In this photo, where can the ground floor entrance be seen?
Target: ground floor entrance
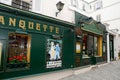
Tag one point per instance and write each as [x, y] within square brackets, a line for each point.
[111, 47]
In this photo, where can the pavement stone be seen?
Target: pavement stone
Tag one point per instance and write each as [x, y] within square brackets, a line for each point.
[110, 71]
[106, 71]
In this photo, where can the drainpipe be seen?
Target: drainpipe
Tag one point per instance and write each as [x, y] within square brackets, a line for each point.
[108, 49]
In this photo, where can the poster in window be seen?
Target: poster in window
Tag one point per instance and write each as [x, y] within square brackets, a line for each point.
[54, 53]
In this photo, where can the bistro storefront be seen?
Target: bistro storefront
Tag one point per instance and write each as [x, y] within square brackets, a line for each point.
[91, 42]
[31, 43]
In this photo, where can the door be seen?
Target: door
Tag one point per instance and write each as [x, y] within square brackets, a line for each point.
[111, 51]
[2, 54]
[111, 47]
[92, 49]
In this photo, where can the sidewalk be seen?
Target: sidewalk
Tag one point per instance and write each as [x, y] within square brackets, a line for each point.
[59, 75]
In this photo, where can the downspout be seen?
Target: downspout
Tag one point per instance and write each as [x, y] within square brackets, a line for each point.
[108, 49]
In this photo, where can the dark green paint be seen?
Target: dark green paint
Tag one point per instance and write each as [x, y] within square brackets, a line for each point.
[38, 41]
[94, 28]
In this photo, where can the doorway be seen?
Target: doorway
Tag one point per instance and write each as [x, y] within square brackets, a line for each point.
[111, 48]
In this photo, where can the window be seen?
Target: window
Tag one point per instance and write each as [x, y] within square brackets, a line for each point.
[22, 4]
[74, 3]
[98, 18]
[98, 5]
[18, 51]
[78, 47]
[92, 45]
[83, 7]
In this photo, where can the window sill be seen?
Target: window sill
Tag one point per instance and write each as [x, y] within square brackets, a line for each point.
[17, 69]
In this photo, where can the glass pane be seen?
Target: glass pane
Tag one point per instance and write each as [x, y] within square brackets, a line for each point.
[16, 3]
[25, 5]
[78, 47]
[84, 47]
[18, 51]
[95, 46]
[90, 46]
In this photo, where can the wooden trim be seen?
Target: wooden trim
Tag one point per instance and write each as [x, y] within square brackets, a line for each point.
[29, 47]
[100, 46]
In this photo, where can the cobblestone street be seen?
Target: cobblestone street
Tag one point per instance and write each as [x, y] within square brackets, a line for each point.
[108, 72]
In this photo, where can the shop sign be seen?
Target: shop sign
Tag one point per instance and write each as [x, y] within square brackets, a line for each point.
[12, 21]
[54, 53]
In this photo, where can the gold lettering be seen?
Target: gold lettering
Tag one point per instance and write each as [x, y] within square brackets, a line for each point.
[45, 27]
[22, 24]
[12, 22]
[37, 26]
[51, 28]
[2, 20]
[31, 25]
[57, 30]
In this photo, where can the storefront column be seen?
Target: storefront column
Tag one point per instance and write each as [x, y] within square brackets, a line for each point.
[108, 49]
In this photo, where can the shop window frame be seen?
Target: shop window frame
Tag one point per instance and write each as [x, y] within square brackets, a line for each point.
[27, 54]
[99, 46]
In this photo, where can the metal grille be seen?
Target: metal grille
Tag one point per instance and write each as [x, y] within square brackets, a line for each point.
[21, 4]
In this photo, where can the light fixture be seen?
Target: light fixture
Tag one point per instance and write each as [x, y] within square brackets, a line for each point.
[59, 6]
[81, 23]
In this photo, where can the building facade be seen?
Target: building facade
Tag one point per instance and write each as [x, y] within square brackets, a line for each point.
[32, 42]
[33, 45]
[104, 11]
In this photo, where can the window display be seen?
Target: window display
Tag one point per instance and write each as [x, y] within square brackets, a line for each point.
[18, 51]
[92, 45]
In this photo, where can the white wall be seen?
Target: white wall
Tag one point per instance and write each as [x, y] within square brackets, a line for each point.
[109, 14]
[116, 46]
[50, 9]
[8, 2]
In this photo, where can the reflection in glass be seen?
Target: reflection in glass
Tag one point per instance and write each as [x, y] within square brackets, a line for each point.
[92, 45]
[78, 47]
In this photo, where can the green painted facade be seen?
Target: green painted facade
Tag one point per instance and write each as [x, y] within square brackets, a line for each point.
[40, 28]
[93, 28]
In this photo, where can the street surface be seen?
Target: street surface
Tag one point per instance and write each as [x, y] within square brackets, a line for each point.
[110, 71]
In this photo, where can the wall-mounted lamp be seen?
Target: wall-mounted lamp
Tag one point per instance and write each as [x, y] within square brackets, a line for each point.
[59, 6]
[81, 23]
